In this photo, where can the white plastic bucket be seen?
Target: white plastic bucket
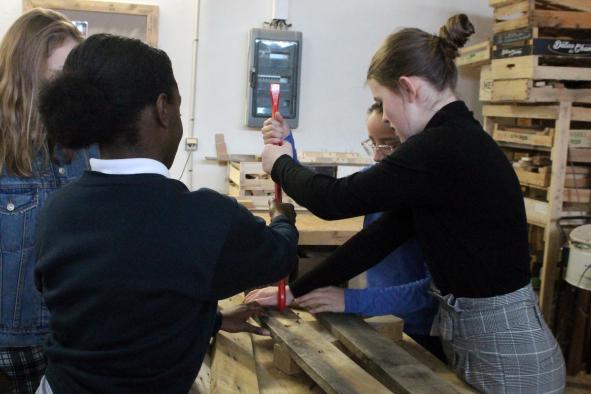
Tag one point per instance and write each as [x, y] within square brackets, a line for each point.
[578, 271]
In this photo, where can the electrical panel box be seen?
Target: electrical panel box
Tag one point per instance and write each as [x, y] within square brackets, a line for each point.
[274, 57]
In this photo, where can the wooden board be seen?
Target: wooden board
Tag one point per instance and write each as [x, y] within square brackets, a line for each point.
[521, 111]
[527, 67]
[579, 155]
[536, 211]
[149, 11]
[517, 136]
[324, 363]
[389, 363]
[315, 231]
[486, 84]
[541, 178]
[523, 90]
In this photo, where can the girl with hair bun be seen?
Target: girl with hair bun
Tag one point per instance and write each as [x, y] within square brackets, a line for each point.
[450, 186]
[131, 264]
[31, 168]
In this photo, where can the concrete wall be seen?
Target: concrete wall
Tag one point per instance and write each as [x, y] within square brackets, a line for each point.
[339, 38]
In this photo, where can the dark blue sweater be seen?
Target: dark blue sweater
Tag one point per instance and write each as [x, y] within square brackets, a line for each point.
[131, 268]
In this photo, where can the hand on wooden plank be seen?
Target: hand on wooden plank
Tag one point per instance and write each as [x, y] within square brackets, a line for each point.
[282, 208]
[325, 299]
[234, 319]
[267, 296]
[275, 130]
[271, 153]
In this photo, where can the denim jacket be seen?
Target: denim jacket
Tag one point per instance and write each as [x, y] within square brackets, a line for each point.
[23, 316]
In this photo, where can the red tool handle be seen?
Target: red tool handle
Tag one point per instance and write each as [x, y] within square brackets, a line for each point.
[274, 91]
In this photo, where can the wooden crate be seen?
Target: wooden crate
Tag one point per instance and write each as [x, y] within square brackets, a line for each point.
[524, 136]
[475, 55]
[564, 14]
[540, 178]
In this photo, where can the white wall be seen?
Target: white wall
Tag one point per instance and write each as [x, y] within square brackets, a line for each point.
[339, 38]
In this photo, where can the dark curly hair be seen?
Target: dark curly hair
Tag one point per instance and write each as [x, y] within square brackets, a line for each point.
[105, 84]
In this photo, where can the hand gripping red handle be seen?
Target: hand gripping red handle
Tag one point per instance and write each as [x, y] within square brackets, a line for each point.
[275, 90]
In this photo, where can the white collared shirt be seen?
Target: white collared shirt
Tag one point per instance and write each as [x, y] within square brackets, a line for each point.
[129, 166]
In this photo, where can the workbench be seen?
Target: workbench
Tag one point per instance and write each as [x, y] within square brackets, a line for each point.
[315, 231]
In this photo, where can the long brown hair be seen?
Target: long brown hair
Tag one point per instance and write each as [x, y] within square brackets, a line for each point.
[23, 60]
[413, 52]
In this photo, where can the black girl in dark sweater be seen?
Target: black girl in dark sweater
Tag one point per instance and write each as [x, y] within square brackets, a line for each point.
[131, 263]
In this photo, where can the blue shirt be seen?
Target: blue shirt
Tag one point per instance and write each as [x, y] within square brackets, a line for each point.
[398, 285]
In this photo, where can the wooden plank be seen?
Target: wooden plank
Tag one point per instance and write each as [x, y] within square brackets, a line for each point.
[433, 363]
[581, 114]
[233, 367]
[273, 381]
[151, 12]
[518, 136]
[390, 364]
[577, 195]
[523, 90]
[555, 198]
[511, 9]
[520, 111]
[511, 25]
[500, 3]
[528, 178]
[389, 326]
[562, 19]
[221, 150]
[575, 5]
[527, 67]
[579, 155]
[332, 370]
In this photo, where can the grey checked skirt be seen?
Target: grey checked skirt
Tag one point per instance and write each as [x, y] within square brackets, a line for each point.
[500, 344]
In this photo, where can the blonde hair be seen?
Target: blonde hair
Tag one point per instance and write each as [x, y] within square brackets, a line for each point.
[24, 51]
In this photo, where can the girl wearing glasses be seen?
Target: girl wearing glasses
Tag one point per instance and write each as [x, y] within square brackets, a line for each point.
[450, 186]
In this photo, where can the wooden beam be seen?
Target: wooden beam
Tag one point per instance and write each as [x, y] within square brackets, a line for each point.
[331, 369]
[151, 12]
[233, 368]
[555, 197]
[272, 380]
[575, 5]
[389, 363]
[389, 326]
[562, 19]
[520, 111]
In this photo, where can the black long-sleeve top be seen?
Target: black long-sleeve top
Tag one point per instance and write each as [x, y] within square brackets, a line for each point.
[450, 186]
[131, 268]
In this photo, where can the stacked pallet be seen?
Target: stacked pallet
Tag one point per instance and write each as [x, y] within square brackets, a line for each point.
[538, 94]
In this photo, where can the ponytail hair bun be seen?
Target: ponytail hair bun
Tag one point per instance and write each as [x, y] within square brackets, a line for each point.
[454, 34]
[75, 111]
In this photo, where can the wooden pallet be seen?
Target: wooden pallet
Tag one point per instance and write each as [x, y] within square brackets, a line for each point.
[564, 14]
[341, 355]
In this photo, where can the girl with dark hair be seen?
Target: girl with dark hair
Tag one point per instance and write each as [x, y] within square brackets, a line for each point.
[131, 264]
[450, 186]
[31, 168]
